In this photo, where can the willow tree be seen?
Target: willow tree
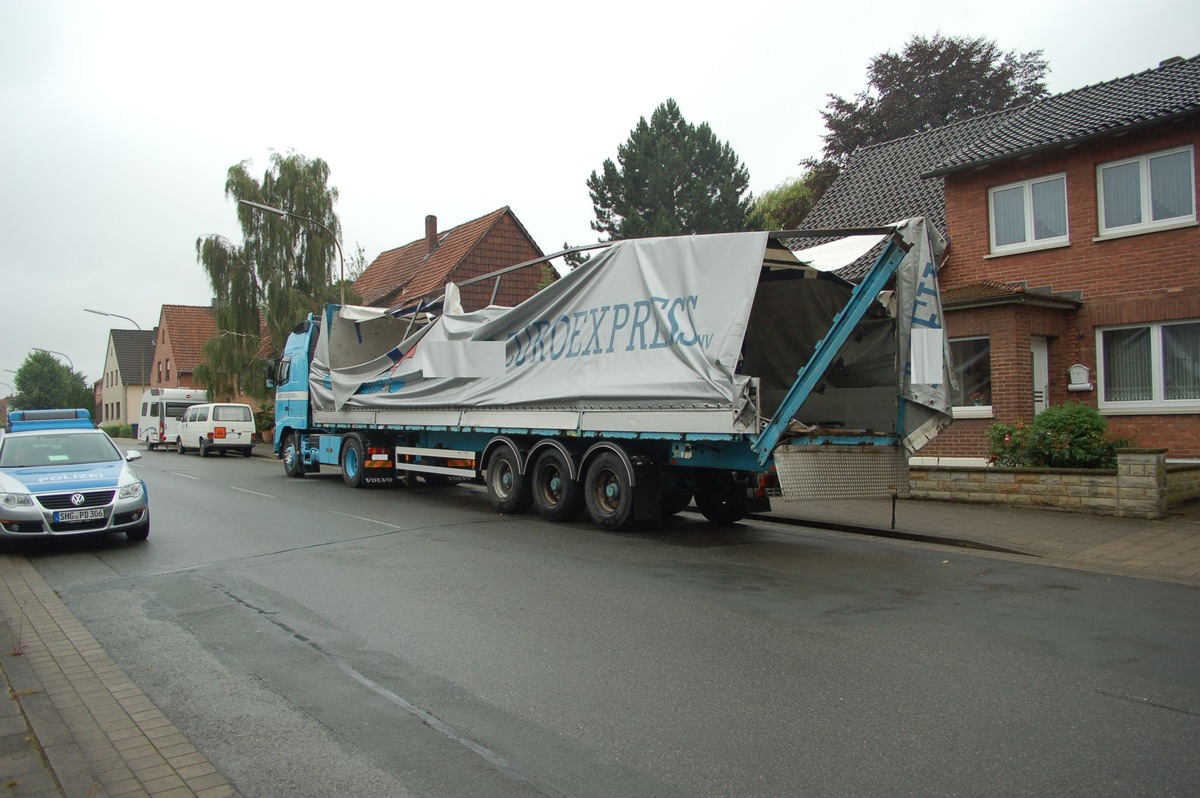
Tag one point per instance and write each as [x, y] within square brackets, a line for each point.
[281, 271]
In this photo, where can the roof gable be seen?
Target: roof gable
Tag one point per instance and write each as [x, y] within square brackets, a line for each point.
[188, 327]
[134, 350]
[411, 270]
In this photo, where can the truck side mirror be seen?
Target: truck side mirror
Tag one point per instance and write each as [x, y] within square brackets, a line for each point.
[270, 374]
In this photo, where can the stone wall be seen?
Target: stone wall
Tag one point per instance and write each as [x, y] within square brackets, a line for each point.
[1140, 487]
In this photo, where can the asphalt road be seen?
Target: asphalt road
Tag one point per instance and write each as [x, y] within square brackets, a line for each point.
[313, 640]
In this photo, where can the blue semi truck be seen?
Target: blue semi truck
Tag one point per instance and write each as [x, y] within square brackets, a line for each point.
[717, 369]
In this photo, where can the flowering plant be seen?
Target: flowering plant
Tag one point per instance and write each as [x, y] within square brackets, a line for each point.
[979, 398]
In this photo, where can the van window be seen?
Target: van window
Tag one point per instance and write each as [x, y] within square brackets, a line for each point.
[231, 413]
[155, 411]
[143, 409]
[202, 413]
[174, 409]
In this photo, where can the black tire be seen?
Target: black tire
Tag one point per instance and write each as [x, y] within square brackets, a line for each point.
[721, 500]
[674, 501]
[139, 533]
[608, 493]
[293, 466]
[353, 463]
[203, 449]
[248, 451]
[179, 446]
[556, 496]
[508, 489]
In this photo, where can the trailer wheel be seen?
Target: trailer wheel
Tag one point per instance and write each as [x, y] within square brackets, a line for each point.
[352, 462]
[508, 489]
[293, 466]
[556, 496]
[674, 501]
[608, 493]
[721, 500]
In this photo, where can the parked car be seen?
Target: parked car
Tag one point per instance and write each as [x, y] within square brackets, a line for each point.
[217, 428]
[59, 476]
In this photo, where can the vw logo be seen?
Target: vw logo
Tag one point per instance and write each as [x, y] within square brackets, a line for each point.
[78, 499]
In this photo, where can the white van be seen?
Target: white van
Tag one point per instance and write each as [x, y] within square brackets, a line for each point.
[158, 424]
[217, 428]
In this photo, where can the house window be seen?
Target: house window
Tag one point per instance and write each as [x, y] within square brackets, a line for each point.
[1156, 190]
[973, 372]
[168, 369]
[1150, 366]
[1029, 215]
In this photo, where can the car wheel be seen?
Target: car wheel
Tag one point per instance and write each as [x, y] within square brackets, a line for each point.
[138, 533]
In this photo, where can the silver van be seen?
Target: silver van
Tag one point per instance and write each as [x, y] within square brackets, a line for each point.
[217, 427]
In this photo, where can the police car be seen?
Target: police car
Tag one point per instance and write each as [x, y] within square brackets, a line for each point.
[59, 475]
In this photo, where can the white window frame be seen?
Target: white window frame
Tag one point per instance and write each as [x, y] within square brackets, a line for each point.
[1029, 243]
[1148, 224]
[1156, 403]
[973, 410]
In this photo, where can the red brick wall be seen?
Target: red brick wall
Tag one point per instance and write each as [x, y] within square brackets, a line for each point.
[1142, 278]
[506, 244]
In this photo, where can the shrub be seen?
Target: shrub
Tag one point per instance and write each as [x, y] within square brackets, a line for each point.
[118, 430]
[1072, 435]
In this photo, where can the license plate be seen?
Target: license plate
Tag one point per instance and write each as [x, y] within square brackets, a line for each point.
[70, 516]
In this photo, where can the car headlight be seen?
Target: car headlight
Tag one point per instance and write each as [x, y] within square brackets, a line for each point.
[130, 491]
[16, 500]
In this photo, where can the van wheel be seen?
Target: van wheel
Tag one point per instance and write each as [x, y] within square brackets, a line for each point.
[179, 446]
[203, 448]
[293, 466]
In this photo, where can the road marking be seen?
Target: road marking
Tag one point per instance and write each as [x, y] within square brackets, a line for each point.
[254, 492]
[360, 518]
[185, 476]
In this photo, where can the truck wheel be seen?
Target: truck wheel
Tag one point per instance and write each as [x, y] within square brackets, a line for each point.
[293, 466]
[352, 463]
[721, 500]
[556, 496]
[608, 494]
[508, 489]
[674, 501]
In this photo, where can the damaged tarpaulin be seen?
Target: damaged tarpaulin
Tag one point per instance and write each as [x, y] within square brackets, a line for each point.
[659, 323]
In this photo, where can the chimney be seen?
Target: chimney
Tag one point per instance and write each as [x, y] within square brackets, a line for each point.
[431, 241]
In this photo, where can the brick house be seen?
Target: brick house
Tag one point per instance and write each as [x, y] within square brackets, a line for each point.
[471, 249]
[181, 334]
[1073, 242]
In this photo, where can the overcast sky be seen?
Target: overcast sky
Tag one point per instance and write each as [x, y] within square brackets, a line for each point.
[119, 120]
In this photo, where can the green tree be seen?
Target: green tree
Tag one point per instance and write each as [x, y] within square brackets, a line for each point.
[930, 83]
[671, 178]
[280, 272]
[43, 382]
[783, 207]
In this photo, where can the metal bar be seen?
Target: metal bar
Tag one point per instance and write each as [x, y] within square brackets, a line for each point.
[822, 358]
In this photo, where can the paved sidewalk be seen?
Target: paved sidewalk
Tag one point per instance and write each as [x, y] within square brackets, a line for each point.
[1168, 549]
[73, 724]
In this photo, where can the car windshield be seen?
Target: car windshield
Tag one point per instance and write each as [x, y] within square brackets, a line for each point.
[55, 448]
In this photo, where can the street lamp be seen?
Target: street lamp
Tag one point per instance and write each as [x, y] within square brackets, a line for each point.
[115, 315]
[60, 354]
[281, 212]
[11, 390]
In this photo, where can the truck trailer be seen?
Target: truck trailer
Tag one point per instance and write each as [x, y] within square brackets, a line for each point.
[720, 369]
